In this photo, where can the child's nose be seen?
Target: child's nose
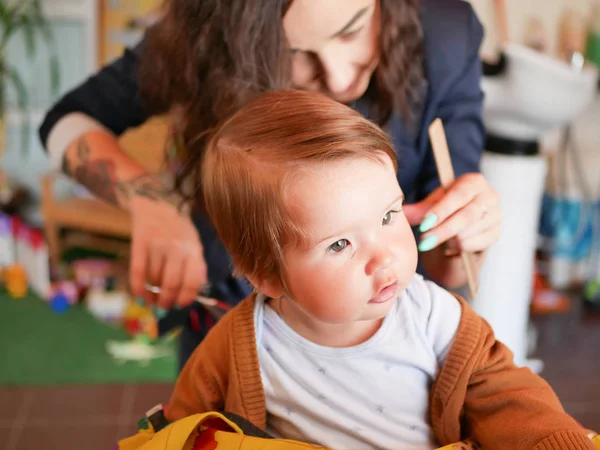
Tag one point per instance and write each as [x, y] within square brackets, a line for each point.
[381, 260]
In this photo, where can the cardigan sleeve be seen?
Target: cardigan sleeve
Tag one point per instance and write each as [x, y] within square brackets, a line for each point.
[481, 394]
[223, 373]
[202, 384]
[511, 407]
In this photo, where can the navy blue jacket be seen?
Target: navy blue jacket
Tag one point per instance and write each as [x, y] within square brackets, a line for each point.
[452, 36]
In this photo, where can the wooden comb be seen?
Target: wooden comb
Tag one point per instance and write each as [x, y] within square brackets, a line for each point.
[446, 174]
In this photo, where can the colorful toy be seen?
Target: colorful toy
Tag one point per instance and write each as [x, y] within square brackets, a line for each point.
[92, 272]
[59, 303]
[67, 288]
[139, 319]
[24, 246]
[15, 278]
[63, 294]
[137, 349]
[108, 306]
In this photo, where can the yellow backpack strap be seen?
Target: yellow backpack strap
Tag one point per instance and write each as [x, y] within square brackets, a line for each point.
[468, 444]
[155, 433]
[595, 437]
[211, 430]
[179, 435]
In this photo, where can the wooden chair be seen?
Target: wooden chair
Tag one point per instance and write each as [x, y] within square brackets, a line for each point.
[84, 214]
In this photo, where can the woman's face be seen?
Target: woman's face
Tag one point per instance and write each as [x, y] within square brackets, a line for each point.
[335, 45]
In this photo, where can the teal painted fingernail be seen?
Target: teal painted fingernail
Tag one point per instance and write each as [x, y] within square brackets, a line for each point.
[428, 223]
[160, 313]
[428, 243]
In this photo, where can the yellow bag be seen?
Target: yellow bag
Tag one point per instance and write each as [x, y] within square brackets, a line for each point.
[208, 431]
[223, 431]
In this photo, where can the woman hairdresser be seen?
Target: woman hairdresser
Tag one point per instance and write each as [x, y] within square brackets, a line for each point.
[402, 63]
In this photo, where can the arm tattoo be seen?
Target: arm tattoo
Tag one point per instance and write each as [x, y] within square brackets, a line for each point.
[100, 177]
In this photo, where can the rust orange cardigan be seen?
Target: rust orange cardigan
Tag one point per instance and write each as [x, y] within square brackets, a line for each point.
[479, 392]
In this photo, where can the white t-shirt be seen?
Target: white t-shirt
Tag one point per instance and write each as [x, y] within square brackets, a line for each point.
[373, 395]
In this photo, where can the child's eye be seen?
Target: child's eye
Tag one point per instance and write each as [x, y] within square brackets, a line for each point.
[338, 246]
[389, 217]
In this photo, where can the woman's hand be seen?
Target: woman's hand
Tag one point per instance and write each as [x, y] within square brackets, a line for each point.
[465, 217]
[166, 252]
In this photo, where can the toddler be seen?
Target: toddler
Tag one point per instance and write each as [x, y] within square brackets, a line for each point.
[343, 344]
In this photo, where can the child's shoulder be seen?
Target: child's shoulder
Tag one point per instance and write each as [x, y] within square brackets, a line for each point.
[431, 303]
[436, 311]
[425, 295]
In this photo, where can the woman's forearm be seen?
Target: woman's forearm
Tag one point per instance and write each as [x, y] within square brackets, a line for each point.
[92, 156]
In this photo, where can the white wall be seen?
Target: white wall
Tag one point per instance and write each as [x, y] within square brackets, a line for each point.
[519, 12]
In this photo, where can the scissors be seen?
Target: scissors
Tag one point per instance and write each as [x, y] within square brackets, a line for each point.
[216, 308]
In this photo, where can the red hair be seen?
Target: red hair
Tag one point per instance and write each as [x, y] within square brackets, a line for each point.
[249, 160]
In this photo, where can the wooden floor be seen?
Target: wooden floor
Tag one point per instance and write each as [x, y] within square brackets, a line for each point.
[570, 348]
[95, 417]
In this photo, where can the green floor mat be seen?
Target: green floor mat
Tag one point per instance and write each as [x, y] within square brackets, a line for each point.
[40, 347]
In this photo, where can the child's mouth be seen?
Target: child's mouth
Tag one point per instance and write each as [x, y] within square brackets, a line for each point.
[386, 294]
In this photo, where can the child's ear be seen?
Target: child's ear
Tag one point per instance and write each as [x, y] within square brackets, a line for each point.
[272, 287]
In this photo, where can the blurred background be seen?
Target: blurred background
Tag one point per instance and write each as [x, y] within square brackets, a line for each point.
[80, 359]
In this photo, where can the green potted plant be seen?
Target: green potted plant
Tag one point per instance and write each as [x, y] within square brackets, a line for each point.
[23, 17]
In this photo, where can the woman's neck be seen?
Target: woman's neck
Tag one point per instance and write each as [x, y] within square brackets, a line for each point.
[324, 334]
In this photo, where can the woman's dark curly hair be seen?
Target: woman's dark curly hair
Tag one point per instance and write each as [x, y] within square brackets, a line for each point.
[206, 58]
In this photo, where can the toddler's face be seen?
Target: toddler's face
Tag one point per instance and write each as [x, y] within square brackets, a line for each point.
[361, 253]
